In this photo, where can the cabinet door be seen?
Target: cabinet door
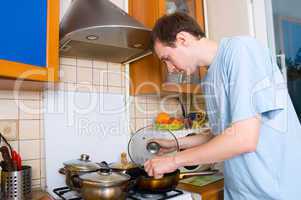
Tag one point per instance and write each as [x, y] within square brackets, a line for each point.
[145, 73]
[192, 7]
[29, 39]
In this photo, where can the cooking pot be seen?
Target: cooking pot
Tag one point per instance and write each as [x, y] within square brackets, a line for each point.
[74, 168]
[104, 184]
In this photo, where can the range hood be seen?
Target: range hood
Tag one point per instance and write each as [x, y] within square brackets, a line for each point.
[99, 29]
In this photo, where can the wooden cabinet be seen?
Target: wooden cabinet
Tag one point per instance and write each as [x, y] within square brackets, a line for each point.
[148, 75]
[29, 40]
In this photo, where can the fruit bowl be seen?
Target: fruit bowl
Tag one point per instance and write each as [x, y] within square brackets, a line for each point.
[171, 127]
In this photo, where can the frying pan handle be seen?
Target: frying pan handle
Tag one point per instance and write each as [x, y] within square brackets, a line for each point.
[202, 173]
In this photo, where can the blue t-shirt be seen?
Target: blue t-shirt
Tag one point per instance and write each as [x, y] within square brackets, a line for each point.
[243, 81]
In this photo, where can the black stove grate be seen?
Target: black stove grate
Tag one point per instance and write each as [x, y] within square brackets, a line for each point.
[62, 192]
[65, 192]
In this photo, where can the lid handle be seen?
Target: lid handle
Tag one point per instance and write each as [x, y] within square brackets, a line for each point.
[84, 157]
[153, 147]
[105, 171]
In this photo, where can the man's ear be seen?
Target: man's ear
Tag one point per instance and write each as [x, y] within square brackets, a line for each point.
[181, 38]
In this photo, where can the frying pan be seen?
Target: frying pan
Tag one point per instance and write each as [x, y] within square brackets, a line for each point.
[145, 183]
[148, 184]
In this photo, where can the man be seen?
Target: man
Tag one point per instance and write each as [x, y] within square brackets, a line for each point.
[256, 130]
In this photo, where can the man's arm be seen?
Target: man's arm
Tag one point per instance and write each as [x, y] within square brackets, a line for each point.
[195, 140]
[241, 137]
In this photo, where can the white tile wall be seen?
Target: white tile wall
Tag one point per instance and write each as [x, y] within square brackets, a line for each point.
[8, 109]
[29, 129]
[9, 129]
[30, 149]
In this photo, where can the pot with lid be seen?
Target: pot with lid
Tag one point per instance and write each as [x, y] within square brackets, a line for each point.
[74, 168]
[104, 184]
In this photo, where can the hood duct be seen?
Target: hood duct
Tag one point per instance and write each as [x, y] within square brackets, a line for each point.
[99, 29]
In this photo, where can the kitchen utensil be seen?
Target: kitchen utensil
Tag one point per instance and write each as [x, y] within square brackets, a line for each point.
[183, 109]
[142, 147]
[104, 184]
[7, 158]
[3, 165]
[17, 160]
[187, 121]
[16, 185]
[74, 168]
[6, 142]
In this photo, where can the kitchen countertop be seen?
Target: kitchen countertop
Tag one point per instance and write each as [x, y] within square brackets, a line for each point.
[212, 191]
[38, 195]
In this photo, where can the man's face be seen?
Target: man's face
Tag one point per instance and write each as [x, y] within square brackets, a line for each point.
[177, 58]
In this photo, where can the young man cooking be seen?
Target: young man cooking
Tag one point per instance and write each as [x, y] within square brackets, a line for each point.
[255, 128]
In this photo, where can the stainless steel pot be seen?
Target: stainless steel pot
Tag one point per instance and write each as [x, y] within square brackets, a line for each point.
[74, 168]
[104, 184]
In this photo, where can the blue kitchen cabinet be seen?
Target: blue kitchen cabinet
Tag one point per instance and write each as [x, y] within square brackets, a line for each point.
[29, 39]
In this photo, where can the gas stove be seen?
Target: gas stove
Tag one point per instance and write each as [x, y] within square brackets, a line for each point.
[65, 193]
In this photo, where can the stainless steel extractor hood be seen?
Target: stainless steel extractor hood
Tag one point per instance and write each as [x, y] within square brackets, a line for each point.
[99, 29]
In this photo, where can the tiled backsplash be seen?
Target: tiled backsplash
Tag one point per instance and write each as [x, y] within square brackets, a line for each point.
[92, 75]
[21, 123]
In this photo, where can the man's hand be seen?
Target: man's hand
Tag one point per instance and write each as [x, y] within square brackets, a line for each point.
[159, 166]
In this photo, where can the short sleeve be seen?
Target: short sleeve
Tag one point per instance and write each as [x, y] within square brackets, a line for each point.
[254, 82]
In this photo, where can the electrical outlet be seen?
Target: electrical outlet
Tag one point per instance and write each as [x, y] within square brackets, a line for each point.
[8, 128]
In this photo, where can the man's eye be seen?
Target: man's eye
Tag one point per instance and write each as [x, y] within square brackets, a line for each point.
[164, 59]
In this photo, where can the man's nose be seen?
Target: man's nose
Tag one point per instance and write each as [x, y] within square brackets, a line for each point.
[170, 67]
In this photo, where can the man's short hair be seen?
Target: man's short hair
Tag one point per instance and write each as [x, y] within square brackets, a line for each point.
[168, 26]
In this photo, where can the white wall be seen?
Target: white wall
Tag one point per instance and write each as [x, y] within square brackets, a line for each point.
[236, 17]
[227, 18]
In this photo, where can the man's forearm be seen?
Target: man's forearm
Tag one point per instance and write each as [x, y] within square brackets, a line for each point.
[235, 140]
[195, 140]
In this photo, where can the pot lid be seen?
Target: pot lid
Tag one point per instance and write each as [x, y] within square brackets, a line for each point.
[105, 177]
[143, 146]
[81, 164]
